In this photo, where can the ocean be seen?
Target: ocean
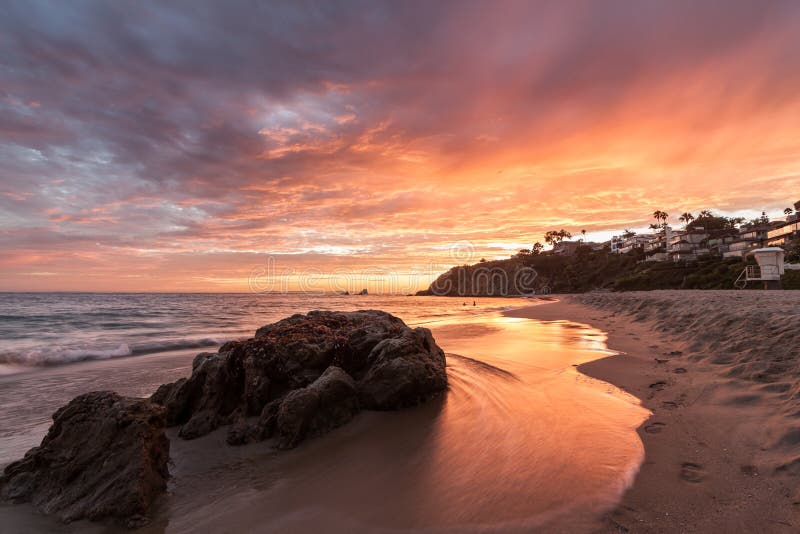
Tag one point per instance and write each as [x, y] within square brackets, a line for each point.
[40, 329]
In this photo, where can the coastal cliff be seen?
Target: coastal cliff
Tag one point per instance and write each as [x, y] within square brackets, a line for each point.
[584, 271]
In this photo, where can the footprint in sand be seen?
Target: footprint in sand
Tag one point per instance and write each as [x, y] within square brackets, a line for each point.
[691, 472]
[679, 370]
[669, 405]
[658, 386]
[654, 428]
[749, 470]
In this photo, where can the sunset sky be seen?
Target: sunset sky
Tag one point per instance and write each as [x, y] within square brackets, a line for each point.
[177, 146]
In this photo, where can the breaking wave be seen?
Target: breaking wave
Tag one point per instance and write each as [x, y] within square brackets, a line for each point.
[55, 355]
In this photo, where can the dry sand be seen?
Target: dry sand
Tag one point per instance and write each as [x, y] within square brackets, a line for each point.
[719, 370]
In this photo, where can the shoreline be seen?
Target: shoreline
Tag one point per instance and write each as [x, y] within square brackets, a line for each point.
[711, 461]
[706, 466]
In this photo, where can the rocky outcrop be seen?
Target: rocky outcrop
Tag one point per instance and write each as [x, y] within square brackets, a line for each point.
[105, 456]
[304, 375]
[500, 278]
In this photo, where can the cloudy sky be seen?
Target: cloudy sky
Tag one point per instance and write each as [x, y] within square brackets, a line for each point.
[179, 145]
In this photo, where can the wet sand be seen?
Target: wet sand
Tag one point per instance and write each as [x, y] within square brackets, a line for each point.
[719, 372]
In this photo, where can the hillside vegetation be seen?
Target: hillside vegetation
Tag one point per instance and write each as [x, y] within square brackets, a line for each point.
[586, 270]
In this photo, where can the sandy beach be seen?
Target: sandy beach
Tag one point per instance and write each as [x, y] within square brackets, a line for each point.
[715, 368]
[718, 370]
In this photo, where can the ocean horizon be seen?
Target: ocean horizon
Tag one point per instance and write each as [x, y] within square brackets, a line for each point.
[51, 328]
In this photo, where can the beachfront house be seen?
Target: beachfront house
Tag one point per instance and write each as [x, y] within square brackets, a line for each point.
[696, 242]
[657, 246]
[617, 242]
[622, 244]
[752, 237]
[783, 234]
[688, 245]
[720, 244]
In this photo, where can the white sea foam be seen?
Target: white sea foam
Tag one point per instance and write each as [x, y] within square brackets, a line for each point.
[54, 355]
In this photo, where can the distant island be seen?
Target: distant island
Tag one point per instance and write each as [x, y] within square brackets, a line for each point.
[710, 252]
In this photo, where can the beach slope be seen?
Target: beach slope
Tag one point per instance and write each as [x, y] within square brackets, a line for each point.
[719, 370]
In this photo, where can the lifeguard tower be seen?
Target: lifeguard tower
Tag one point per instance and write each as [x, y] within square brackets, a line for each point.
[768, 271]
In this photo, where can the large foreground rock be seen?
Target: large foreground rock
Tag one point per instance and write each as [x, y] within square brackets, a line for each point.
[330, 401]
[305, 375]
[105, 456]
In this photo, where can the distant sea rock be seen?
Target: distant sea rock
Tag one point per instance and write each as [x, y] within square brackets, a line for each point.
[104, 457]
[305, 375]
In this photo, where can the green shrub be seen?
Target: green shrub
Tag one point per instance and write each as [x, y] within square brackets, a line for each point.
[791, 280]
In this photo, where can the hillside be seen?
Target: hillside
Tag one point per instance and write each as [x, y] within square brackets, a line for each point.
[587, 270]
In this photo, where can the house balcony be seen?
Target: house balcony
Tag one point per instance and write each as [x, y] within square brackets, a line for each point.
[678, 248]
[695, 238]
[742, 245]
[784, 231]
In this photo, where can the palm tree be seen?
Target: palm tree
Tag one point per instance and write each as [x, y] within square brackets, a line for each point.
[657, 215]
[686, 217]
[788, 211]
[584, 234]
[661, 216]
[705, 213]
